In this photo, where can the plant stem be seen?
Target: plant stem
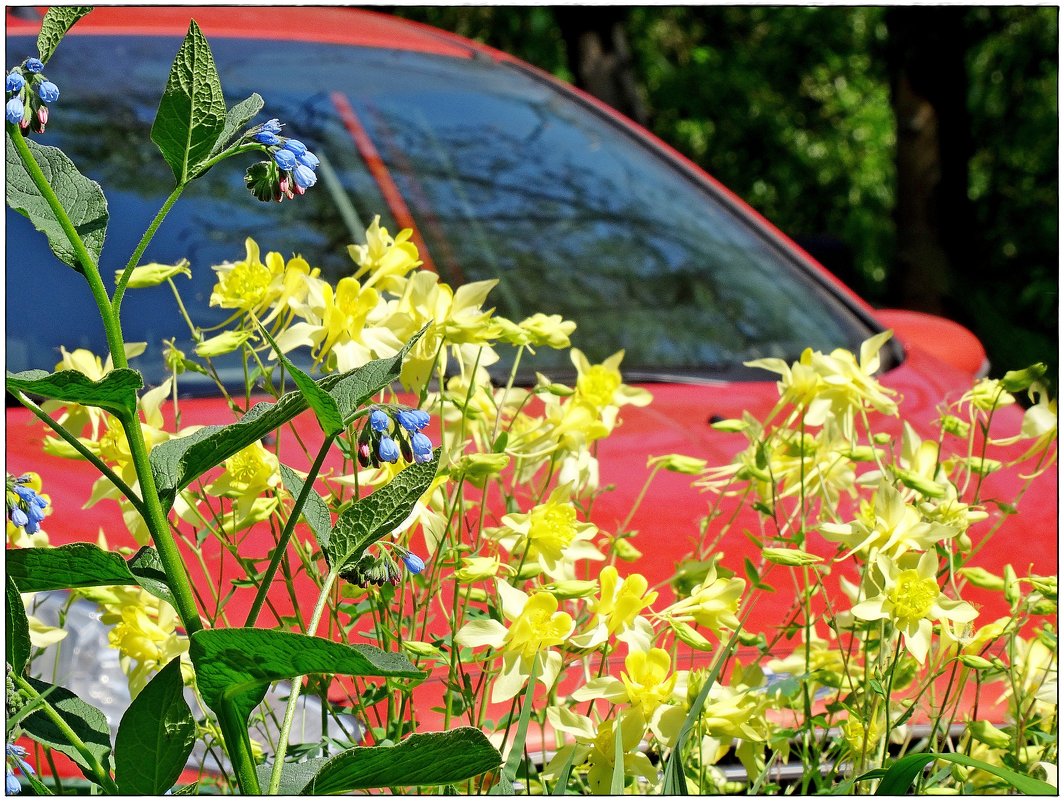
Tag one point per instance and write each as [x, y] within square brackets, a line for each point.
[149, 234]
[103, 778]
[297, 685]
[286, 534]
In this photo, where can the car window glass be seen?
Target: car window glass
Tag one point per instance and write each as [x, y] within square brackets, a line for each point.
[505, 177]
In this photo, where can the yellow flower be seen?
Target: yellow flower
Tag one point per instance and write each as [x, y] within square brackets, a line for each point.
[712, 603]
[244, 285]
[384, 259]
[551, 535]
[601, 386]
[863, 739]
[595, 746]
[479, 568]
[535, 627]
[910, 597]
[536, 331]
[248, 474]
[616, 611]
[890, 527]
[988, 394]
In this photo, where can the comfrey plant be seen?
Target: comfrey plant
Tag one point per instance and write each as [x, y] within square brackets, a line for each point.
[149, 598]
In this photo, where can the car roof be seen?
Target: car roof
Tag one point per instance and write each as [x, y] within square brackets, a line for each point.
[334, 25]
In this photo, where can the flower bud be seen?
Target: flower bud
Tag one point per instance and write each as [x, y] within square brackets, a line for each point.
[412, 419]
[626, 551]
[1047, 585]
[730, 426]
[387, 450]
[225, 342]
[365, 454]
[284, 159]
[1012, 585]
[304, 177]
[984, 579]
[573, 588]
[976, 662]
[690, 635]
[295, 147]
[418, 648]
[988, 734]
[48, 92]
[414, 563]
[308, 159]
[1019, 380]
[271, 126]
[792, 557]
[15, 81]
[33, 65]
[267, 138]
[677, 463]
[14, 110]
[954, 425]
[422, 447]
[154, 274]
[476, 594]
[379, 421]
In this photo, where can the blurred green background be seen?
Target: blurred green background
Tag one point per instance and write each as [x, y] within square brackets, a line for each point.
[913, 150]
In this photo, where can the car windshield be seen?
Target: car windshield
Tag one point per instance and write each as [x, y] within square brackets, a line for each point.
[503, 175]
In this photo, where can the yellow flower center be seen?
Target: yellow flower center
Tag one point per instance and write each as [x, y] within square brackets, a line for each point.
[552, 528]
[246, 285]
[913, 596]
[598, 385]
[540, 625]
[647, 679]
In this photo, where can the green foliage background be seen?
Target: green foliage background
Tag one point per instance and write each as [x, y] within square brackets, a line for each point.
[790, 107]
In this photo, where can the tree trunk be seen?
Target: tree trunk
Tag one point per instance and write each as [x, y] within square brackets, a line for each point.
[935, 236]
[599, 57]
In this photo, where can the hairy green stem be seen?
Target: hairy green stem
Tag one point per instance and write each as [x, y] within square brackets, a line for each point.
[149, 234]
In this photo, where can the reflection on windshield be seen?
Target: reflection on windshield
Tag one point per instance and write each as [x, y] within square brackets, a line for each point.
[504, 177]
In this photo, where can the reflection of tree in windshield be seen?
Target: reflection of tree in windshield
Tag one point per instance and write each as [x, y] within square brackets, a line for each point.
[572, 225]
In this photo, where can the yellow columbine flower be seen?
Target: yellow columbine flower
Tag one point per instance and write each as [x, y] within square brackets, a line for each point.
[243, 285]
[551, 535]
[713, 603]
[988, 394]
[890, 527]
[248, 474]
[616, 611]
[535, 627]
[538, 330]
[911, 599]
[863, 739]
[602, 387]
[595, 746]
[479, 568]
[383, 260]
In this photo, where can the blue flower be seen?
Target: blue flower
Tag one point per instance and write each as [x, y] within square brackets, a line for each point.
[271, 126]
[267, 138]
[48, 92]
[387, 450]
[413, 419]
[11, 784]
[33, 65]
[14, 110]
[422, 447]
[413, 562]
[19, 517]
[379, 421]
[308, 159]
[15, 81]
[295, 146]
[304, 176]
[284, 158]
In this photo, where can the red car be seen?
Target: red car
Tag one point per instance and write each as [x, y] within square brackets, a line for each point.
[503, 172]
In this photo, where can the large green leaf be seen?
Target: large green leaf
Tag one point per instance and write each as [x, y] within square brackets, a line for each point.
[17, 642]
[320, 401]
[899, 777]
[236, 665]
[236, 119]
[116, 392]
[81, 564]
[177, 462]
[87, 722]
[57, 21]
[192, 112]
[156, 735]
[379, 513]
[315, 511]
[421, 760]
[81, 199]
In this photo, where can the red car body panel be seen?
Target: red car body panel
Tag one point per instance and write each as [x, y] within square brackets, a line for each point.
[677, 420]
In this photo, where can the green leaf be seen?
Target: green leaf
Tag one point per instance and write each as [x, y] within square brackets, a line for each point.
[156, 735]
[177, 462]
[562, 782]
[192, 112]
[315, 511]
[236, 665]
[17, 644]
[81, 198]
[899, 777]
[294, 775]
[57, 21]
[505, 784]
[421, 760]
[617, 779]
[116, 392]
[81, 564]
[319, 400]
[380, 513]
[87, 722]
[236, 119]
